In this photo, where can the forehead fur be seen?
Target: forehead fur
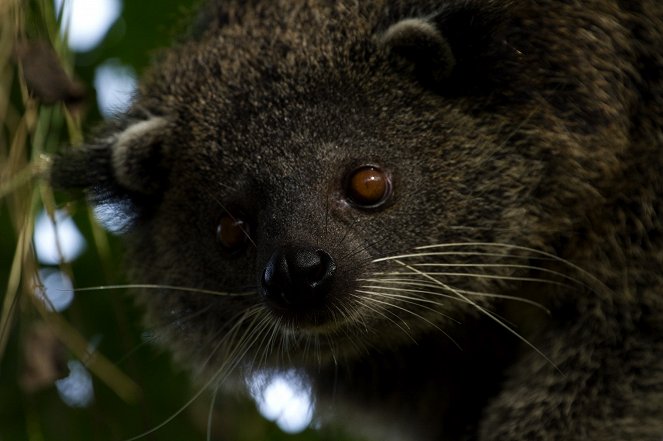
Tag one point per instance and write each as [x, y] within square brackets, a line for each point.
[289, 45]
[254, 66]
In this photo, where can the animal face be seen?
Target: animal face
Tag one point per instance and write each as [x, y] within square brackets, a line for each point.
[308, 183]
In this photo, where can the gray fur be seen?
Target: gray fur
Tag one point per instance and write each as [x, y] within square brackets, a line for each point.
[546, 134]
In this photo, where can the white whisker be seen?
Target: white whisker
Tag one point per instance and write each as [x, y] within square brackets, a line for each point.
[230, 363]
[263, 324]
[172, 324]
[412, 282]
[485, 311]
[211, 410]
[269, 347]
[501, 265]
[415, 291]
[417, 301]
[459, 253]
[364, 302]
[474, 275]
[391, 305]
[507, 297]
[232, 332]
[522, 248]
[165, 287]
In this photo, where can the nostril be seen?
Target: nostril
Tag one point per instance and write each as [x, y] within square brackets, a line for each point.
[276, 271]
[297, 276]
[326, 268]
[310, 266]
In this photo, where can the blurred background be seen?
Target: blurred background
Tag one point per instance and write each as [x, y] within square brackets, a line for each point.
[76, 364]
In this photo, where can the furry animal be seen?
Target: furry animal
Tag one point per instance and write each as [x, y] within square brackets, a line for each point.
[444, 215]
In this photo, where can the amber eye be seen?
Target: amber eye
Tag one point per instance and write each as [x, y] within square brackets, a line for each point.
[368, 186]
[232, 233]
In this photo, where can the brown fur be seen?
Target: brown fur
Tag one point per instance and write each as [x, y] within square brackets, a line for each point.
[546, 135]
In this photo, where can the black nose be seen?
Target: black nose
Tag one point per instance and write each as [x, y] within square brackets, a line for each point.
[297, 277]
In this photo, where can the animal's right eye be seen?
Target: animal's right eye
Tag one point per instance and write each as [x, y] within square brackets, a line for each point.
[232, 233]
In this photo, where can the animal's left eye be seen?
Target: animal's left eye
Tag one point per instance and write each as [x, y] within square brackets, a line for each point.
[368, 186]
[232, 233]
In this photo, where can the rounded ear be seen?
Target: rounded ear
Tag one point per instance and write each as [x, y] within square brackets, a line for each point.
[137, 156]
[422, 47]
[131, 162]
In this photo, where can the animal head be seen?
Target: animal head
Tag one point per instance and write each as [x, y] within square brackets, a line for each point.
[319, 178]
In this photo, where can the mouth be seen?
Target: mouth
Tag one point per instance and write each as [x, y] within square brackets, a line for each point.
[313, 346]
[323, 321]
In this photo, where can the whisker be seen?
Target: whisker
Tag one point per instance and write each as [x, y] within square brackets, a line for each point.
[345, 315]
[330, 342]
[307, 341]
[361, 248]
[285, 343]
[172, 323]
[431, 301]
[348, 313]
[478, 276]
[231, 333]
[326, 229]
[210, 414]
[231, 362]
[266, 322]
[413, 282]
[460, 253]
[269, 347]
[523, 248]
[500, 265]
[347, 231]
[363, 301]
[415, 291]
[485, 311]
[164, 287]
[419, 316]
[507, 297]
[417, 301]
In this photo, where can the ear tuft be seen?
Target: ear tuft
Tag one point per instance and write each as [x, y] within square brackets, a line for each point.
[419, 43]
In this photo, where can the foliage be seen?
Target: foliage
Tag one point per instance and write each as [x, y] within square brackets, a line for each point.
[136, 388]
